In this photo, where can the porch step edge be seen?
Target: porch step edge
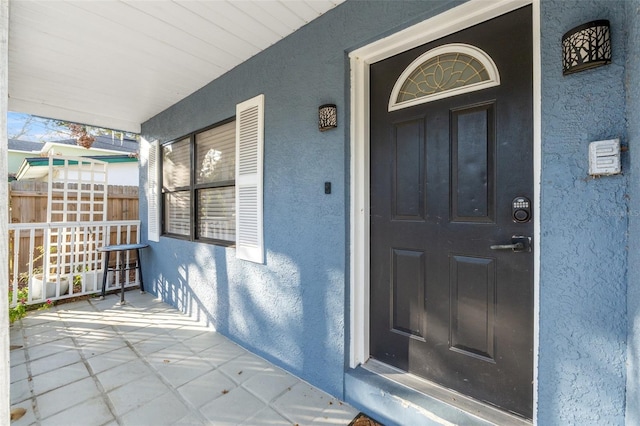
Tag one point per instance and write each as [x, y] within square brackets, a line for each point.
[395, 404]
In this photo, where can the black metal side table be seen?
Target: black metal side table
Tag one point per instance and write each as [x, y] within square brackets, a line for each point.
[123, 267]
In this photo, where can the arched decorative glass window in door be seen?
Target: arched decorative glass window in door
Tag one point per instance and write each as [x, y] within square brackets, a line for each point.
[441, 72]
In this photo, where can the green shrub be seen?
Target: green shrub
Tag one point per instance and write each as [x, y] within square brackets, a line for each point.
[20, 310]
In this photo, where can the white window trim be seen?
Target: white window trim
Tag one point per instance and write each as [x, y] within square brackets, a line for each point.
[464, 16]
[474, 52]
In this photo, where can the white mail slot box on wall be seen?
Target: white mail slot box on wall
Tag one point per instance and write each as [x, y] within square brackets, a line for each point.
[604, 157]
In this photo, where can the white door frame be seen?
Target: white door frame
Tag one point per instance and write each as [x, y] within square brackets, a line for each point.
[466, 15]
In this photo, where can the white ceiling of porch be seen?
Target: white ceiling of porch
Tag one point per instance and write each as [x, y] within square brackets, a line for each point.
[116, 63]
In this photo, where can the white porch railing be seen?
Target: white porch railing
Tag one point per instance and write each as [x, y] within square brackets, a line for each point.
[61, 260]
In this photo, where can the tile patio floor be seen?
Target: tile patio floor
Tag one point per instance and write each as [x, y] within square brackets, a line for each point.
[96, 363]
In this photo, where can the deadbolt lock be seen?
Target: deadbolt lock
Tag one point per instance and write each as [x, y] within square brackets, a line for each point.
[521, 210]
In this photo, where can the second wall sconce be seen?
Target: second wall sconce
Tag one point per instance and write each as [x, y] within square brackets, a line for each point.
[327, 117]
[586, 46]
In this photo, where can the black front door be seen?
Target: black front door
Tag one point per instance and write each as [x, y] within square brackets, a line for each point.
[450, 300]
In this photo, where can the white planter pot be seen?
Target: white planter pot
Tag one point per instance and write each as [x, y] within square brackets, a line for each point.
[92, 280]
[37, 284]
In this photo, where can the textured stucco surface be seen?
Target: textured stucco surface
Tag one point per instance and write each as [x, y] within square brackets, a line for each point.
[632, 84]
[582, 370]
[292, 310]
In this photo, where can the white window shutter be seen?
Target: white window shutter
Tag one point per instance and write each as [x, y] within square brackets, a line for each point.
[249, 166]
[153, 200]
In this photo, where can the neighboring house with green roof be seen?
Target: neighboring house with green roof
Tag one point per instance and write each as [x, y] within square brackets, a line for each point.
[19, 150]
[29, 160]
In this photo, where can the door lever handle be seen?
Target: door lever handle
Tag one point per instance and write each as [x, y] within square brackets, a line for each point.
[519, 243]
[516, 246]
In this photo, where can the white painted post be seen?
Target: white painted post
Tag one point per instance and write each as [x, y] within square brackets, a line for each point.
[4, 216]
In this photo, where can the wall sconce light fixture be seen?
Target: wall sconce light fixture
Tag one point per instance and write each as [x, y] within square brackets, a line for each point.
[327, 117]
[586, 46]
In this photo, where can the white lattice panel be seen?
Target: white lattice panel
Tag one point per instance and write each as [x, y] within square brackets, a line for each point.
[77, 194]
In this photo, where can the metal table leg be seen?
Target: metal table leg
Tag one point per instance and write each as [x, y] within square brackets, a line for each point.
[139, 266]
[104, 274]
[121, 275]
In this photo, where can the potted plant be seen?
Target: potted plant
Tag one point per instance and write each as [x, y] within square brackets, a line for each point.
[92, 280]
[41, 289]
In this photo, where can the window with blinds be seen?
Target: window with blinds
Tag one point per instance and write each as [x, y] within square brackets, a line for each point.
[215, 183]
[176, 187]
[198, 185]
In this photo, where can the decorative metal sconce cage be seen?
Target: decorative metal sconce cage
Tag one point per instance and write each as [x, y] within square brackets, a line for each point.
[586, 46]
[327, 117]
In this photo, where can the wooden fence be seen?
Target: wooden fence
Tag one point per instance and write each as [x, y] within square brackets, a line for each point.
[28, 204]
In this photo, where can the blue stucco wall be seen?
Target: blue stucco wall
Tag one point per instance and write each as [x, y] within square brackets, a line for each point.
[292, 310]
[583, 325]
[632, 84]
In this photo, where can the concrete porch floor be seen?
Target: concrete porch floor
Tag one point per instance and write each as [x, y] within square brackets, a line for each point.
[96, 363]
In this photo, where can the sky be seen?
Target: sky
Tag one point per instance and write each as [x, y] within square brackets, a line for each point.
[35, 129]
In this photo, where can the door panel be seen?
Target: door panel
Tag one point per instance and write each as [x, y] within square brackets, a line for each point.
[408, 194]
[472, 170]
[473, 306]
[444, 305]
[407, 296]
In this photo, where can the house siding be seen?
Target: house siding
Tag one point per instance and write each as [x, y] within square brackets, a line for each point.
[632, 85]
[294, 310]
